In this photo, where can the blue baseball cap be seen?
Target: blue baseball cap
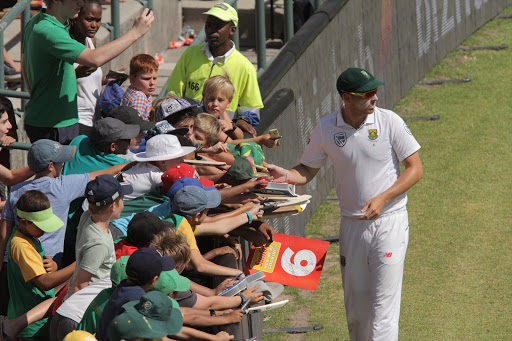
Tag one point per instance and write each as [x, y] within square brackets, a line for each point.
[105, 189]
[146, 263]
[191, 200]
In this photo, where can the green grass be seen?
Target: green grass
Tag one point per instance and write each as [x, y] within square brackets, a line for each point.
[458, 272]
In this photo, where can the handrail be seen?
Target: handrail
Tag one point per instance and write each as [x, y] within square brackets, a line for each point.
[22, 6]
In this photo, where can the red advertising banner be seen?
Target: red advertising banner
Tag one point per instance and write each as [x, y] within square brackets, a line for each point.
[289, 260]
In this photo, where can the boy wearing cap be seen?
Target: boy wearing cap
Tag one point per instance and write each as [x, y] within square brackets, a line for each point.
[200, 62]
[110, 138]
[162, 152]
[143, 271]
[94, 244]
[153, 317]
[30, 282]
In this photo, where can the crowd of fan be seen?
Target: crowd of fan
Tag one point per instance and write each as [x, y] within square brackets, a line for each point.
[116, 235]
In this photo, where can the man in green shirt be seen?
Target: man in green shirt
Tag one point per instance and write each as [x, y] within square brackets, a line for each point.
[48, 55]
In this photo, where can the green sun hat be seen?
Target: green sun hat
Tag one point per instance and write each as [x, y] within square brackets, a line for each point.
[118, 271]
[248, 149]
[156, 315]
[356, 80]
[241, 169]
[171, 281]
[45, 220]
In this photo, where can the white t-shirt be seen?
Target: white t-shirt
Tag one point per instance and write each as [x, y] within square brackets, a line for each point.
[88, 90]
[366, 160]
[143, 177]
[76, 305]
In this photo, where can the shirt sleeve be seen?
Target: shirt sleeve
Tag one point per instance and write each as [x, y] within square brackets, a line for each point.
[314, 154]
[73, 185]
[93, 256]
[27, 258]
[403, 142]
[186, 229]
[58, 43]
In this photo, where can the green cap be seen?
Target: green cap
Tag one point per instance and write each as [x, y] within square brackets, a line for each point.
[154, 316]
[171, 281]
[241, 169]
[118, 271]
[45, 219]
[224, 12]
[356, 80]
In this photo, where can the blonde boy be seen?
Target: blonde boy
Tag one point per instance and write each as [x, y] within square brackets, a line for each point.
[143, 82]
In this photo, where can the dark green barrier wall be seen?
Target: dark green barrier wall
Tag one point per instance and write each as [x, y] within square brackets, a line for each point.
[396, 40]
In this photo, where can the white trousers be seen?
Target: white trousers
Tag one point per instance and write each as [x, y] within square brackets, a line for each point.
[372, 254]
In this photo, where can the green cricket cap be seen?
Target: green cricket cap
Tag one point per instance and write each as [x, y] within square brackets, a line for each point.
[357, 80]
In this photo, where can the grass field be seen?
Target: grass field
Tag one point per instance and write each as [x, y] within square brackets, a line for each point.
[458, 271]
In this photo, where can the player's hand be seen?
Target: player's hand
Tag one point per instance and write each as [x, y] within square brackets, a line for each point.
[266, 230]
[222, 336]
[255, 297]
[245, 126]
[49, 264]
[143, 22]
[278, 173]
[373, 208]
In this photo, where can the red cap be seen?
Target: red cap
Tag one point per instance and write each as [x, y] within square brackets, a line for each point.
[182, 170]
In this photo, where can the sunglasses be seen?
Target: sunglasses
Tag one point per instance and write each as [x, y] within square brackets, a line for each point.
[365, 95]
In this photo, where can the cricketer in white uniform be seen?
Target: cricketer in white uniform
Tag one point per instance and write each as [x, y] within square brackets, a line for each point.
[366, 145]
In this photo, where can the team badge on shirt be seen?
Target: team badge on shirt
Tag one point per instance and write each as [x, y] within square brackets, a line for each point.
[372, 134]
[340, 139]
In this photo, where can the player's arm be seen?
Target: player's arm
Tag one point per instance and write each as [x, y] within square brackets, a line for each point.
[12, 177]
[204, 266]
[412, 174]
[114, 170]
[299, 175]
[81, 281]
[50, 280]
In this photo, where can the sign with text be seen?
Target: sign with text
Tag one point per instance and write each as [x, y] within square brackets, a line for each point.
[290, 260]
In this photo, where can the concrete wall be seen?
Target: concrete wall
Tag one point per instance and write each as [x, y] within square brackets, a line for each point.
[166, 27]
[397, 41]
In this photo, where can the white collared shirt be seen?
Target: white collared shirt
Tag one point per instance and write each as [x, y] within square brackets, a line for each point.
[223, 58]
[366, 160]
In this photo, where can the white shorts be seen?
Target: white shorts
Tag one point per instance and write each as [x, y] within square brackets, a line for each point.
[372, 254]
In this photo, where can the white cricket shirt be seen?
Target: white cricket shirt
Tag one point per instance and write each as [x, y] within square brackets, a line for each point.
[366, 160]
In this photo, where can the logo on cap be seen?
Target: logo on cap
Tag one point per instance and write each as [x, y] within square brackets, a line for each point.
[221, 6]
[340, 139]
[364, 73]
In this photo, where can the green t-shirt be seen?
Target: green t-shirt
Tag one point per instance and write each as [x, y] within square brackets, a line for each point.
[93, 313]
[26, 295]
[49, 53]
[143, 202]
[194, 68]
[94, 250]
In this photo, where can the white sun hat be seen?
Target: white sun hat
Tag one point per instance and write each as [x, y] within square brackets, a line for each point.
[163, 147]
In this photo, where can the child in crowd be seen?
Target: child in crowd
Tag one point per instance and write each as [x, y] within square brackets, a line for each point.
[143, 271]
[30, 283]
[162, 152]
[218, 92]
[143, 82]
[153, 317]
[94, 244]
